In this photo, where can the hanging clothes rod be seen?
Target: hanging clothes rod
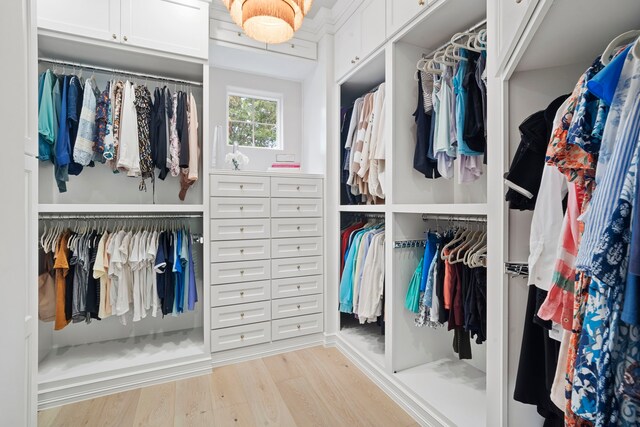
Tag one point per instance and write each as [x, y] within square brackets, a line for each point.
[372, 215]
[406, 244]
[56, 216]
[456, 218]
[469, 30]
[116, 71]
[516, 269]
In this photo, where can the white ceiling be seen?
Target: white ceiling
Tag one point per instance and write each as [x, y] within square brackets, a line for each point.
[318, 4]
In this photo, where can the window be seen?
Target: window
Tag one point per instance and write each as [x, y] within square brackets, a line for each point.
[254, 120]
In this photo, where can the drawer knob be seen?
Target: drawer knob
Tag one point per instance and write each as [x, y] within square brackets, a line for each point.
[241, 251]
[298, 208]
[298, 267]
[242, 315]
[241, 272]
[298, 248]
[241, 208]
[353, 61]
[298, 306]
[298, 326]
[241, 337]
[241, 293]
[241, 229]
[113, 36]
[241, 185]
[239, 34]
[293, 46]
[298, 287]
[125, 38]
[357, 58]
[298, 188]
[421, 2]
[298, 228]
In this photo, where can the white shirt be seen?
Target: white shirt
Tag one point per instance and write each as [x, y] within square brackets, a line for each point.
[128, 150]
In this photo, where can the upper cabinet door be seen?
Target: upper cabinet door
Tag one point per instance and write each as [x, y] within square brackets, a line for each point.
[514, 16]
[175, 26]
[373, 25]
[99, 19]
[399, 12]
[348, 45]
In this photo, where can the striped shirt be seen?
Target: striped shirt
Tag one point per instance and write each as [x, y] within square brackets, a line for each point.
[620, 139]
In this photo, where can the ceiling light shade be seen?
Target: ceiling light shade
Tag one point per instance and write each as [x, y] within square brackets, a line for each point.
[269, 21]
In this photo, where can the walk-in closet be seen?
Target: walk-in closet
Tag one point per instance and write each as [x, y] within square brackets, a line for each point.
[330, 212]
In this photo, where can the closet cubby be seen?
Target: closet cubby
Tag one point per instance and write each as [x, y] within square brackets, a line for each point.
[423, 359]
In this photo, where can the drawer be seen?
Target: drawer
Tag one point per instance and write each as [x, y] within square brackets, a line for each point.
[229, 32]
[243, 314]
[303, 246]
[239, 186]
[296, 286]
[296, 208]
[234, 272]
[296, 47]
[240, 229]
[296, 187]
[240, 336]
[240, 250]
[235, 207]
[240, 293]
[296, 326]
[296, 227]
[295, 267]
[296, 306]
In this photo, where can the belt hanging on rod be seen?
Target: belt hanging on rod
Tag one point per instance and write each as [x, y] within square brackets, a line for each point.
[117, 71]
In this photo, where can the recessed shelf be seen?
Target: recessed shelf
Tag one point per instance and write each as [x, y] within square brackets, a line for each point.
[113, 208]
[73, 363]
[443, 208]
[443, 384]
[362, 208]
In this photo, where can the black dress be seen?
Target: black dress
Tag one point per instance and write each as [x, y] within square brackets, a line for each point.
[421, 161]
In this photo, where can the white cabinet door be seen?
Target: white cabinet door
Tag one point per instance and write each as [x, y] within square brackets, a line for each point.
[175, 26]
[514, 16]
[296, 47]
[98, 19]
[400, 12]
[348, 45]
[373, 25]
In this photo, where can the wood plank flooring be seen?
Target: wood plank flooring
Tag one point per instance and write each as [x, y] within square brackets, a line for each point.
[312, 387]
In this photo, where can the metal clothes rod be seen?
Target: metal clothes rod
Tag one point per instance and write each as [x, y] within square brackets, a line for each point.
[456, 218]
[366, 214]
[516, 269]
[405, 244]
[116, 71]
[469, 30]
[117, 216]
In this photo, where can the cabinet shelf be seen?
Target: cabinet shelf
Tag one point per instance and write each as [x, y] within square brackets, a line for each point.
[129, 208]
[443, 208]
[363, 208]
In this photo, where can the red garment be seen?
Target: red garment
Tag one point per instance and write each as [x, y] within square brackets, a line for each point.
[344, 238]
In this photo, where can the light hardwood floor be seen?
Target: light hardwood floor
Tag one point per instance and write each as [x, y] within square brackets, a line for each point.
[311, 387]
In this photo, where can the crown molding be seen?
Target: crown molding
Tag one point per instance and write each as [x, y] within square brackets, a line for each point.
[325, 21]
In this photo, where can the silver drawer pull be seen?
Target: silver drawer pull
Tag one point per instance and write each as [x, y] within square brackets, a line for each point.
[298, 326]
[242, 251]
[241, 272]
[241, 185]
[298, 267]
[242, 229]
[242, 315]
[298, 208]
[298, 228]
[298, 188]
[298, 306]
[298, 287]
[298, 248]
[241, 208]
[241, 337]
[241, 293]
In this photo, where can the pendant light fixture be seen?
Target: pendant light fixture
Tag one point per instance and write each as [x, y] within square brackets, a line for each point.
[268, 21]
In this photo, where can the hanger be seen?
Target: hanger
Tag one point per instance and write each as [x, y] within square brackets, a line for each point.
[456, 239]
[480, 242]
[471, 44]
[441, 58]
[455, 257]
[624, 38]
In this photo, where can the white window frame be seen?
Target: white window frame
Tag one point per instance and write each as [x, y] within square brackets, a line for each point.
[258, 94]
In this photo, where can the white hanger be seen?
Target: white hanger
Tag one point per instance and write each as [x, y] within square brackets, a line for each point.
[440, 58]
[430, 67]
[456, 239]
[462, 250]
[452, 52]
[480, 40]
[471, 44]
[480, 242]
[623, 38]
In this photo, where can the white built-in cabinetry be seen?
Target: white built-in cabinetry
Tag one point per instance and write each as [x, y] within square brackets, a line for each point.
[171, 26]
[267, 259]
[400, 13]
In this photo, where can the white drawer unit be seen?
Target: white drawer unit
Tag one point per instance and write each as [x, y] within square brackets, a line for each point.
[295, 267]
[236, 207]
[242, 314]
[296, 187]
[239, 293]
[240, 250]
[296, 208]
[296, 47]
[267, 258]
[296, 326]
[303, 246]
[240, 336]
[296, 306]
[235, 272]
[231, 33]
[296, 286]
[239, 186]
[240, 229]
[298, 227]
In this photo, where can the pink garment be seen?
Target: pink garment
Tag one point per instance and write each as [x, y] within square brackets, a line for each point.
[469, 168]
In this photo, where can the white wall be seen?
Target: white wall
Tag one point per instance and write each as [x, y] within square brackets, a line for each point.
[318, 88]
[292, 117]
